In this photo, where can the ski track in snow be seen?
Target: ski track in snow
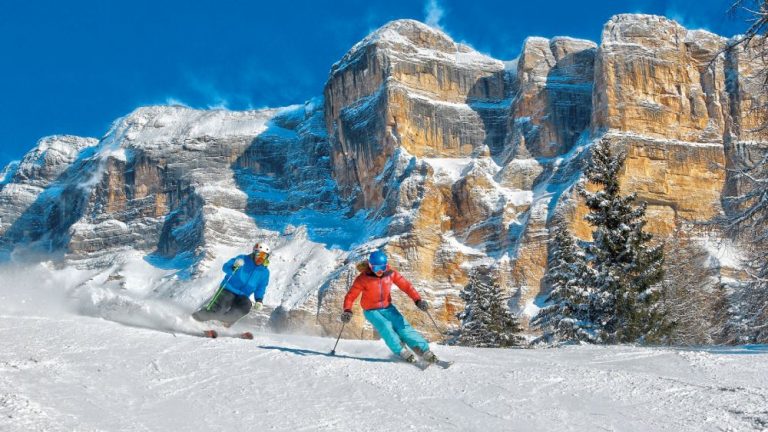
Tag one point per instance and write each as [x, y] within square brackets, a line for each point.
[66, 372]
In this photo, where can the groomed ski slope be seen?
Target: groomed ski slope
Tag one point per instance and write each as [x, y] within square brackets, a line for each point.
[63, 372]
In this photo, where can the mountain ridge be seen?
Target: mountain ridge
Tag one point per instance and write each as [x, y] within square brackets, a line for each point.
[446, 157]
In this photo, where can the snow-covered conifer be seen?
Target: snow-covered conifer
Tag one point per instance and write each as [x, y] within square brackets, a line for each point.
[627, 269]
[487, 320]
[566, 314]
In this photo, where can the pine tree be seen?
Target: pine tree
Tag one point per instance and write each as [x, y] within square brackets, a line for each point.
[627, 269]
[566, 316]
[486, 320]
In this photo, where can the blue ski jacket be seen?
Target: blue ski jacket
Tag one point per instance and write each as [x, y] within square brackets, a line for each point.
[248, 279]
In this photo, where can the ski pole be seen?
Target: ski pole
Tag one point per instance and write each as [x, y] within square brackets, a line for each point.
[333, 351]
[436, 327]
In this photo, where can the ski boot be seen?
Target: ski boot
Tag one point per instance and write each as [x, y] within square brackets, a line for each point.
[427, 356]
[407, 356]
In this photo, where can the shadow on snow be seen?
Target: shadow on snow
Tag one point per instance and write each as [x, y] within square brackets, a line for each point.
[306, 352]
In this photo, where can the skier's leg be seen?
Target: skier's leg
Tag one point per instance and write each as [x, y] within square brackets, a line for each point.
[241, 305]
[210, 307]
[217, 307]
[384, 327]
[403, 328]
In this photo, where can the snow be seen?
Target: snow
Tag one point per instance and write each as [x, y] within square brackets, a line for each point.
[518, 197]
[497, 196]
[8, 172]
[120, 154]
[531, 309]
[451, 169]
[703, 35]
[392, 36]
[364, 106]
[298, 268]
[724, 252]
[60, 372]
[452, 244]
[61, 146]
[334, 228]
[510, 66]
[573, 40]
[471, 106]
[113, 224]
[536, 40]
[49, 159]
[158, 127]
[663, 141]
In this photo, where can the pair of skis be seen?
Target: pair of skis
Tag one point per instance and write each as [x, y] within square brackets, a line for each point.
[424, 365]
[213, 334]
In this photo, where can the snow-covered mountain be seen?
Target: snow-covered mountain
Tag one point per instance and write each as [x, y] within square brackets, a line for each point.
[446, 157]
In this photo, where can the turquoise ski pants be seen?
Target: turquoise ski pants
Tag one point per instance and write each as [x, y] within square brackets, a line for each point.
[393, 328]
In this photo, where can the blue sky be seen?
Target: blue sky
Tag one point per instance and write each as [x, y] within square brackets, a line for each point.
[72, 67]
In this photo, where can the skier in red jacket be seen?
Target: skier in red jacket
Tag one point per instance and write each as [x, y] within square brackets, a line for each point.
[375, 283]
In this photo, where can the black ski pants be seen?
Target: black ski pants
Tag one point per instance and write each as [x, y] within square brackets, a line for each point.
[224, 306]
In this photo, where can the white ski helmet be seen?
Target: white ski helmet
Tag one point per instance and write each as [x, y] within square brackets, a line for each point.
[262, 247]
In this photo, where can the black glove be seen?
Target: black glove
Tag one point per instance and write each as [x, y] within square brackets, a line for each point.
[346, 316]
[423, 305]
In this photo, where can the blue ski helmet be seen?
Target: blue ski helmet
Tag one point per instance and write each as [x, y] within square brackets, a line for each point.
[378, 261]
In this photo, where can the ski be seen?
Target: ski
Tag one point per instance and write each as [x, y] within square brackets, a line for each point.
[439, 363]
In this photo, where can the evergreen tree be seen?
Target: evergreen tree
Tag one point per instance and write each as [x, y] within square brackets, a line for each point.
[486, 320]
[566, 316]
[627, 269]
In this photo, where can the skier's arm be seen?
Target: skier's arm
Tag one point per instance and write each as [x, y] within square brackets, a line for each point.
[353, 294]
[405, 286]
[258, 295]
[229, 265]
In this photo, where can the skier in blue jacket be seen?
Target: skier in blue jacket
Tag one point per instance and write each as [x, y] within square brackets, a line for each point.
[245, 275]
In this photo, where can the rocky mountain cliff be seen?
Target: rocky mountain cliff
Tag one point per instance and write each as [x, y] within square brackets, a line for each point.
[445, 157]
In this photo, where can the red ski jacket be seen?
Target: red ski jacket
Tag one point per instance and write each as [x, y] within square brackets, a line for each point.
[376, 290]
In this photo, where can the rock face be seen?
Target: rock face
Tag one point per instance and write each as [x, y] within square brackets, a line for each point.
[445, 157]
[554, 103]
[409, 86]
[647, 79]
[677, 103]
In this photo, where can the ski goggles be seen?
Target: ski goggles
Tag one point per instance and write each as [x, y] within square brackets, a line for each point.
[378, 268]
